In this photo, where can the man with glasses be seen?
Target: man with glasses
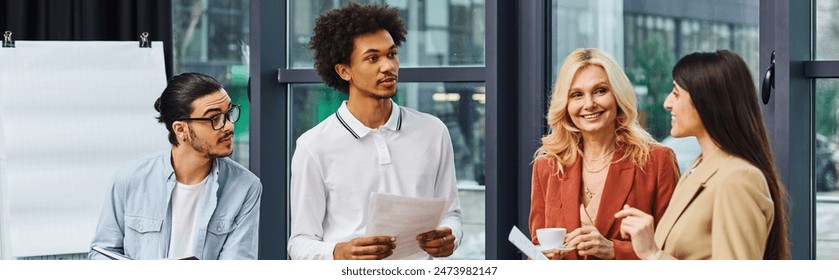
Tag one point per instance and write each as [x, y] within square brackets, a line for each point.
[190, 200]
[370, 145]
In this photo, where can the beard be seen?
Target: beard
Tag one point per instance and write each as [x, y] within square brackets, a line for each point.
[386, 96]
[203, 147]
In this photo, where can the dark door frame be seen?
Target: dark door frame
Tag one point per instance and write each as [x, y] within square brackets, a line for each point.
[785, 28]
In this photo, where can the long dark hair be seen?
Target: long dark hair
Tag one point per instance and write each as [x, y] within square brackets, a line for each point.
[724, 95]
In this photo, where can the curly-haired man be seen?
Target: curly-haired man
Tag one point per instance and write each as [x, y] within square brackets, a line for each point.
[370, 145]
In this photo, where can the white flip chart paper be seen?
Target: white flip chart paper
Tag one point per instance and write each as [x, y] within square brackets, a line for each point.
[72, 114]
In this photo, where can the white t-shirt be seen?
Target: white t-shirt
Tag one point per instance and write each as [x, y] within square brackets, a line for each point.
[185, 200]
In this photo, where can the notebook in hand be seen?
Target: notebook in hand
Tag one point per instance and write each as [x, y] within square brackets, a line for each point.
[110, 254]
[117, 256]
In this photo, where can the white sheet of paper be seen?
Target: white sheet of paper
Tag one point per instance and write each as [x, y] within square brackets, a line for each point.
[405, 218]
[525, 246]
[73, 114]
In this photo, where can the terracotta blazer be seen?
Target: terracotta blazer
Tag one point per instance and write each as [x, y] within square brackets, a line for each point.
[721, 210]
[555, 199]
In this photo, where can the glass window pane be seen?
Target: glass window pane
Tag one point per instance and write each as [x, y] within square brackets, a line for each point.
[211, 37]
[827, 29]
[826, 155]
[440, 32]
[459, 105]
[648, 37]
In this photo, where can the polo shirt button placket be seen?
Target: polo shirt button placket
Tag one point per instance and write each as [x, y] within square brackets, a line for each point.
[381, 146]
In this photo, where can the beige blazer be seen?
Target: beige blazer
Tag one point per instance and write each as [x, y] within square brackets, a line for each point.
[720, 210]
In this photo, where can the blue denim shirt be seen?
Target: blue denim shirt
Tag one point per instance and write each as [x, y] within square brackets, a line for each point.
[136, 219]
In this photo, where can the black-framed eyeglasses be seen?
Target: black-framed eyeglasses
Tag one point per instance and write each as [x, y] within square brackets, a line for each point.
[218, 120]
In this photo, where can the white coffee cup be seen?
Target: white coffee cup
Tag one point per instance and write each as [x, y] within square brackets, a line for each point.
[551, 238]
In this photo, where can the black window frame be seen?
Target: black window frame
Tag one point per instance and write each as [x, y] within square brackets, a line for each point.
[517, 77]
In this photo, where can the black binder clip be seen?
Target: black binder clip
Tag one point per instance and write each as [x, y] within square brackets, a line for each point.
[144, 40]
[7, 40]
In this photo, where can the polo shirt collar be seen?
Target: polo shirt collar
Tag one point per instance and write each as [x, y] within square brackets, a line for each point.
[358, 130]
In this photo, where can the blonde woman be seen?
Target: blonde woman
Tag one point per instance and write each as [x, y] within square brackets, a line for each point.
[595, 159]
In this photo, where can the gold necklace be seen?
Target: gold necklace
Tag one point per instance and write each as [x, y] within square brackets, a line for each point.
[585, 160]
[589, 193]
[597, 171]
[601, 157]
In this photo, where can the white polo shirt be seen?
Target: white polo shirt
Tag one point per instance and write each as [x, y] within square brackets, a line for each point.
[340, 162]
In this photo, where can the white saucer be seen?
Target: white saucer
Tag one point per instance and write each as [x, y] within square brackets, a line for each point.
[561, 249]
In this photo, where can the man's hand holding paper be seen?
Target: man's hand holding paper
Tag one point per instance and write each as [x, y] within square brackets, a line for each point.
[438, 242]
[365, 248]
[409, 219]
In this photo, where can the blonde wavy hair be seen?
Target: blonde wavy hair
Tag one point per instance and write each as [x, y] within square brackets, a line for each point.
[564, 141]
